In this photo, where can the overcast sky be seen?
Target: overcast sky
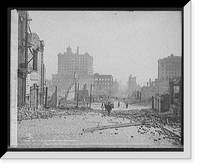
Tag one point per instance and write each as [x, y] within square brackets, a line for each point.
[121, 42]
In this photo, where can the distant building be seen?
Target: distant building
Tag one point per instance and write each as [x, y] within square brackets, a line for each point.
[155, 87]
[136, 95]
[102, 84]
[132, 85]
[169, 67]
[115, 88]
[70, 62]
[148, 91]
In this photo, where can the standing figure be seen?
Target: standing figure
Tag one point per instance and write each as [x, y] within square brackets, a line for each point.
[126, 105]
[102, 106]
[106, 106]
[109, 108]
[118, 104]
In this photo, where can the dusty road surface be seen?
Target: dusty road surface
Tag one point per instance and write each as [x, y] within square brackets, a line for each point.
[67, 130]
[122, 106]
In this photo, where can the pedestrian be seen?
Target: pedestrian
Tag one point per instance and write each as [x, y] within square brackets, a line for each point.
[102, 106]
[126, 105]
[106, 106]
[109, 108]
[118, 104]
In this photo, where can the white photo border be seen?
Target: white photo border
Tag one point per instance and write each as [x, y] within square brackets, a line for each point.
[186, 154]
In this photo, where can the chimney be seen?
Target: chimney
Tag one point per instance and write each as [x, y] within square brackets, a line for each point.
[150, 81]
[77, 51]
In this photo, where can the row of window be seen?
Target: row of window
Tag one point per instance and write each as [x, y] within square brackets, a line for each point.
[170, 69]
[70, 67]
[103, 83]
[170, 75]
[173, 66]
[75, 58]
[171, 72]
[102, 79]
[76, 66]
[72, 59]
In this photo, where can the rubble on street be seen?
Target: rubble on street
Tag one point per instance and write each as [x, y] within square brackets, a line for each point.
[82, 127]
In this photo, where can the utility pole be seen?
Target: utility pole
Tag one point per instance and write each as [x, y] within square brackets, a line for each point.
[77, 96]
[75, 91]
[75, 78]
[37, 96]
[152, 100]
[158, 100]
[46, 93]
[90, 95]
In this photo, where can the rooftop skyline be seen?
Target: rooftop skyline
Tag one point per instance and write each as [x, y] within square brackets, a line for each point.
[121, 42]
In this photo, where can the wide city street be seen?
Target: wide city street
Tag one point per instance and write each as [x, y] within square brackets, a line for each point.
[75, 128]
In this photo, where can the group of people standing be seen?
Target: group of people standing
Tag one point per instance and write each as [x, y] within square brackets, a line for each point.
[108, 106]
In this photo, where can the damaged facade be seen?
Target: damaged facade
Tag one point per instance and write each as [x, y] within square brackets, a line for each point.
[31, 69]
[103, 85]
[166, 89]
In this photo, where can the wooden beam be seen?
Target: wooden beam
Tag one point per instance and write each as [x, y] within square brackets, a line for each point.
[112, 126]
[171, 132]
[166, 130]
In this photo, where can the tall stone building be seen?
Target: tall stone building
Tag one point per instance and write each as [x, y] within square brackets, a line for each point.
[68, 64]
[169, 67]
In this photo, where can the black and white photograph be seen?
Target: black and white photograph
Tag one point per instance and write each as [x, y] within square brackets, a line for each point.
[97, 80]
